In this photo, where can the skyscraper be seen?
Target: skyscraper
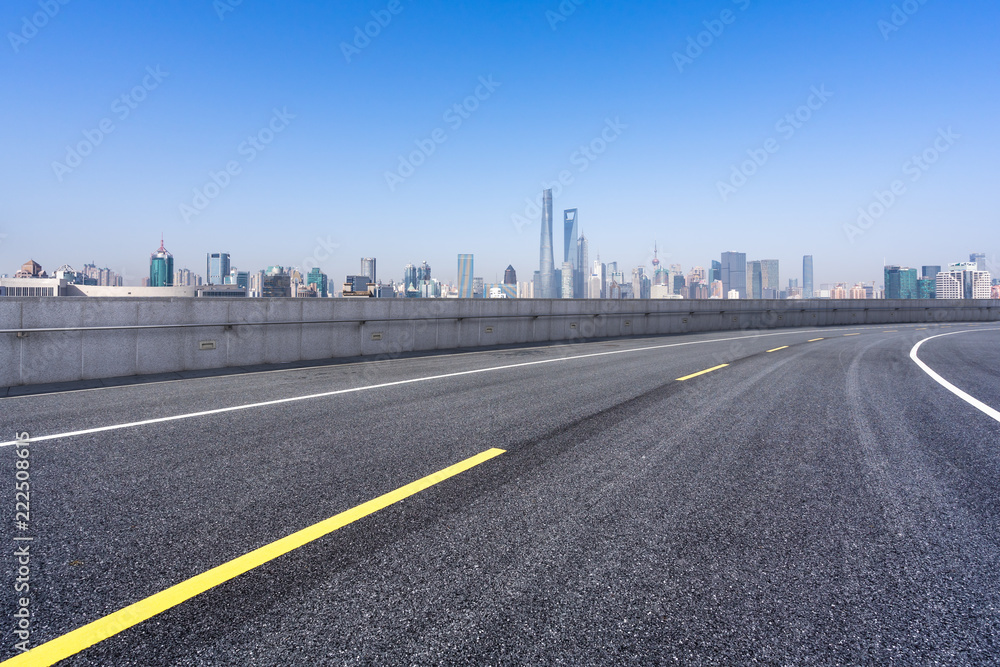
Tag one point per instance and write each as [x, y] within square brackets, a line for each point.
[807, 277]
[161, 268]
[410, 281]
[465, 270]
[770, 280]
[734, 273]
[980, 260]
[582, 269]
[715, 273]
[930, 272]
[755, 280]
[597, 280]
[510, 276]
[546, 259]
[566, 274]
[571, 235]
[217, 267]
[424, 272]
[368, 268]
[320, 280]
[963, 280]
[901, 283]
[571, 232]
[638, 276]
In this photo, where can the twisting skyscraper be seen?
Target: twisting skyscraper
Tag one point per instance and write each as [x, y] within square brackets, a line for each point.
[546, 260]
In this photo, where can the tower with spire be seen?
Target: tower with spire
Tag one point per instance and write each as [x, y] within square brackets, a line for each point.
[161, 267]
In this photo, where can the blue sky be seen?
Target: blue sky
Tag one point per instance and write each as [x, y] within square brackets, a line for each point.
[330, 126]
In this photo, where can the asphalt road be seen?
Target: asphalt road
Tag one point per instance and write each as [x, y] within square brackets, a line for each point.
[824, 503]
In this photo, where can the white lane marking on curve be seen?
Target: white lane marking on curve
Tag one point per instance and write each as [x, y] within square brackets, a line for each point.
[971, 400]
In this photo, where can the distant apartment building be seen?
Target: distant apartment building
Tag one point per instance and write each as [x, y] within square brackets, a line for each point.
[964, 280]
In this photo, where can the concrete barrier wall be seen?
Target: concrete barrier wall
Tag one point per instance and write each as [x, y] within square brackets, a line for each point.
[381, 328]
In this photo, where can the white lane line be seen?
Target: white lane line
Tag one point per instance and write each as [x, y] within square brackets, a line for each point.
[971, 400]
[338, 392]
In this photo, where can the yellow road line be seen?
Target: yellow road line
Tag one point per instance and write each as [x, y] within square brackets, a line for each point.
[778, 349]
[816, 339]
[846, 335]
[921, 329]
[893, 331]
[73, 642]
[688, 377]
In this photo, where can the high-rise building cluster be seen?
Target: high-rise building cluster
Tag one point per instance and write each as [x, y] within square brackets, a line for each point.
[732, 276]
[961, 280]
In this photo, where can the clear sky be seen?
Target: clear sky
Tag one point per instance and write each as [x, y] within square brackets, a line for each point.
[332, 113]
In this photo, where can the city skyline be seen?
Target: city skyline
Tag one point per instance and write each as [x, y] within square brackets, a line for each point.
[804, 277]
[109, 147]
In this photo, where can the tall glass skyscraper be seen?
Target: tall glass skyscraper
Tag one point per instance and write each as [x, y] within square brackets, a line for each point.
[734, 273]
[368, 268]
[571, 232]
[980, 260]
[217, 267]
[410, 280]
[161, 268]
[465, 271]
[546, 259]
[755, 280]
[320, 280]
[424, 273]
[901, 283]
[582, 269]
[770, 280]
[807, 277]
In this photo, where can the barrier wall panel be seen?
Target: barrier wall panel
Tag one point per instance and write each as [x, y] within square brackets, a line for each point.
[381, 328]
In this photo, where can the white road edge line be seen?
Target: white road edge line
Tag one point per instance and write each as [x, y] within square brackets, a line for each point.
[971, 400]
[338, 392]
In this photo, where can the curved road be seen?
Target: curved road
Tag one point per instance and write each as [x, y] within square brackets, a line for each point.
[815, 499]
